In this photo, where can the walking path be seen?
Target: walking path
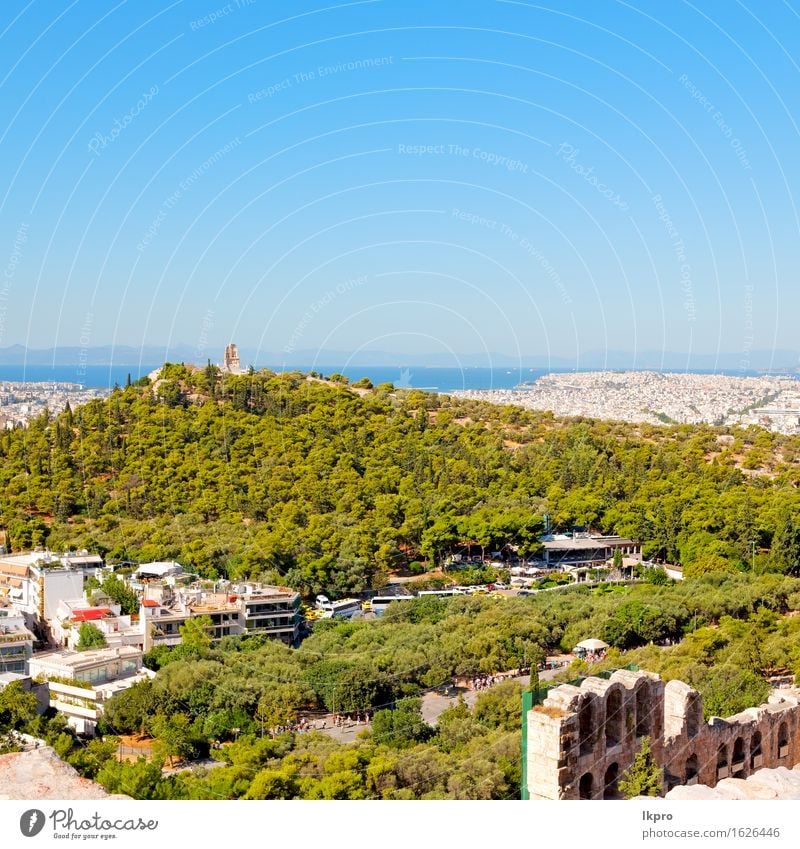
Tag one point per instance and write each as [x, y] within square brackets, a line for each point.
[434, 703]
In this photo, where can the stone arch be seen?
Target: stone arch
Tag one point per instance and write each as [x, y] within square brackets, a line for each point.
[694, 715]
[586, 786]
[587, 720]
[692, 770]
[783, 740]
[756, 755]
[722, 761]
[614, 717]
[737, 759]
[610, 782]
[644, 693]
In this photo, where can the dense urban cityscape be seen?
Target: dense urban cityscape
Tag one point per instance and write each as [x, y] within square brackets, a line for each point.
[21, 402]
[659, 398]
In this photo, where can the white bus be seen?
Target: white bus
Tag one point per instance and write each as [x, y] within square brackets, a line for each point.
[343, 609]
[381, 602]
[441, 593]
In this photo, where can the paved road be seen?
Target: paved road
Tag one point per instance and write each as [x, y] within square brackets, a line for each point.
[434, 704]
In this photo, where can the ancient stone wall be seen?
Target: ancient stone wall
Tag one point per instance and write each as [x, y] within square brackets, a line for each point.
[581, 740]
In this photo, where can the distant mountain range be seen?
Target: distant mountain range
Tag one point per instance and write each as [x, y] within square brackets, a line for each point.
[772, 361]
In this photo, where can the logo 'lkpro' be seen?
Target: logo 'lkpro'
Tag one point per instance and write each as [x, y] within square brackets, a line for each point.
[31, 822]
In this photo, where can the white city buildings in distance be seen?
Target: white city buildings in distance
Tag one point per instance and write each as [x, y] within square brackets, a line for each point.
[633, 396]
[20, 402]
[659, 398]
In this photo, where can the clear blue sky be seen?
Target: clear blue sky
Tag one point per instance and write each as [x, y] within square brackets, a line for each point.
[528, 178]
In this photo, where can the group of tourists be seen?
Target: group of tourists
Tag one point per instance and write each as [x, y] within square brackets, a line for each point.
[299, 727]
[483, 682]
[349, 719]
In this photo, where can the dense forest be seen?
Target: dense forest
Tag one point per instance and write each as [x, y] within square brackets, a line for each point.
[324, 486]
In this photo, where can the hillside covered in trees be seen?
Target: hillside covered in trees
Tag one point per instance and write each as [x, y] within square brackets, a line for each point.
[323, 486]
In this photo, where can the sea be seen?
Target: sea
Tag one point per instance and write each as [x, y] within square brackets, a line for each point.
[413, 377]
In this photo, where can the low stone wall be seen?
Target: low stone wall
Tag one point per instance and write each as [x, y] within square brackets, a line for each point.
[581, 740]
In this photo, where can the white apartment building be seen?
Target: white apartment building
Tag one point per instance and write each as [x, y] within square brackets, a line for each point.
[117, 628]
[243, 609]
[16, 642]
[81, 682]
[35, 582]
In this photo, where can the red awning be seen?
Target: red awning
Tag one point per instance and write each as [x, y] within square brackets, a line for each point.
[90, 614]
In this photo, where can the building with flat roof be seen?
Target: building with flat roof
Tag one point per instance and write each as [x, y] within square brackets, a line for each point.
[16, 641]
[117, 628]
[81, 682]
[578, 553]
[158, 571]
[272, 611]
[34, 583]
[240, 610]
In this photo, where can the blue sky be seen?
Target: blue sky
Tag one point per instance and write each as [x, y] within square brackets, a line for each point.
[537, 179]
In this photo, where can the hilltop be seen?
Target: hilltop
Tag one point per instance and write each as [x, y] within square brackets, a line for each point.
[327, 486]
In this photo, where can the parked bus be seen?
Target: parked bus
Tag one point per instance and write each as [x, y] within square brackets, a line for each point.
[381, 602]
[343, 609]
[441, 593]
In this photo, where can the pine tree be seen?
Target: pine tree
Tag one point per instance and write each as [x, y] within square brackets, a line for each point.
[785, 550]
[644, 777]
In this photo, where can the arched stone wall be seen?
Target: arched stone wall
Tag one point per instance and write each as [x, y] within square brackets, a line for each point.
[580, 731]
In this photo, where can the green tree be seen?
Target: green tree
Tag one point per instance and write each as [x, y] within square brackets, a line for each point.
[644, 777]
[728, 689]
[140, 780]
[90, 637]
[176, 736]
[121, 593]
[279, 705]
[785, 549]
[708, 563]
[130, 711]
[17, 707]
[402, 726]
[196, 634]
[533, 684]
